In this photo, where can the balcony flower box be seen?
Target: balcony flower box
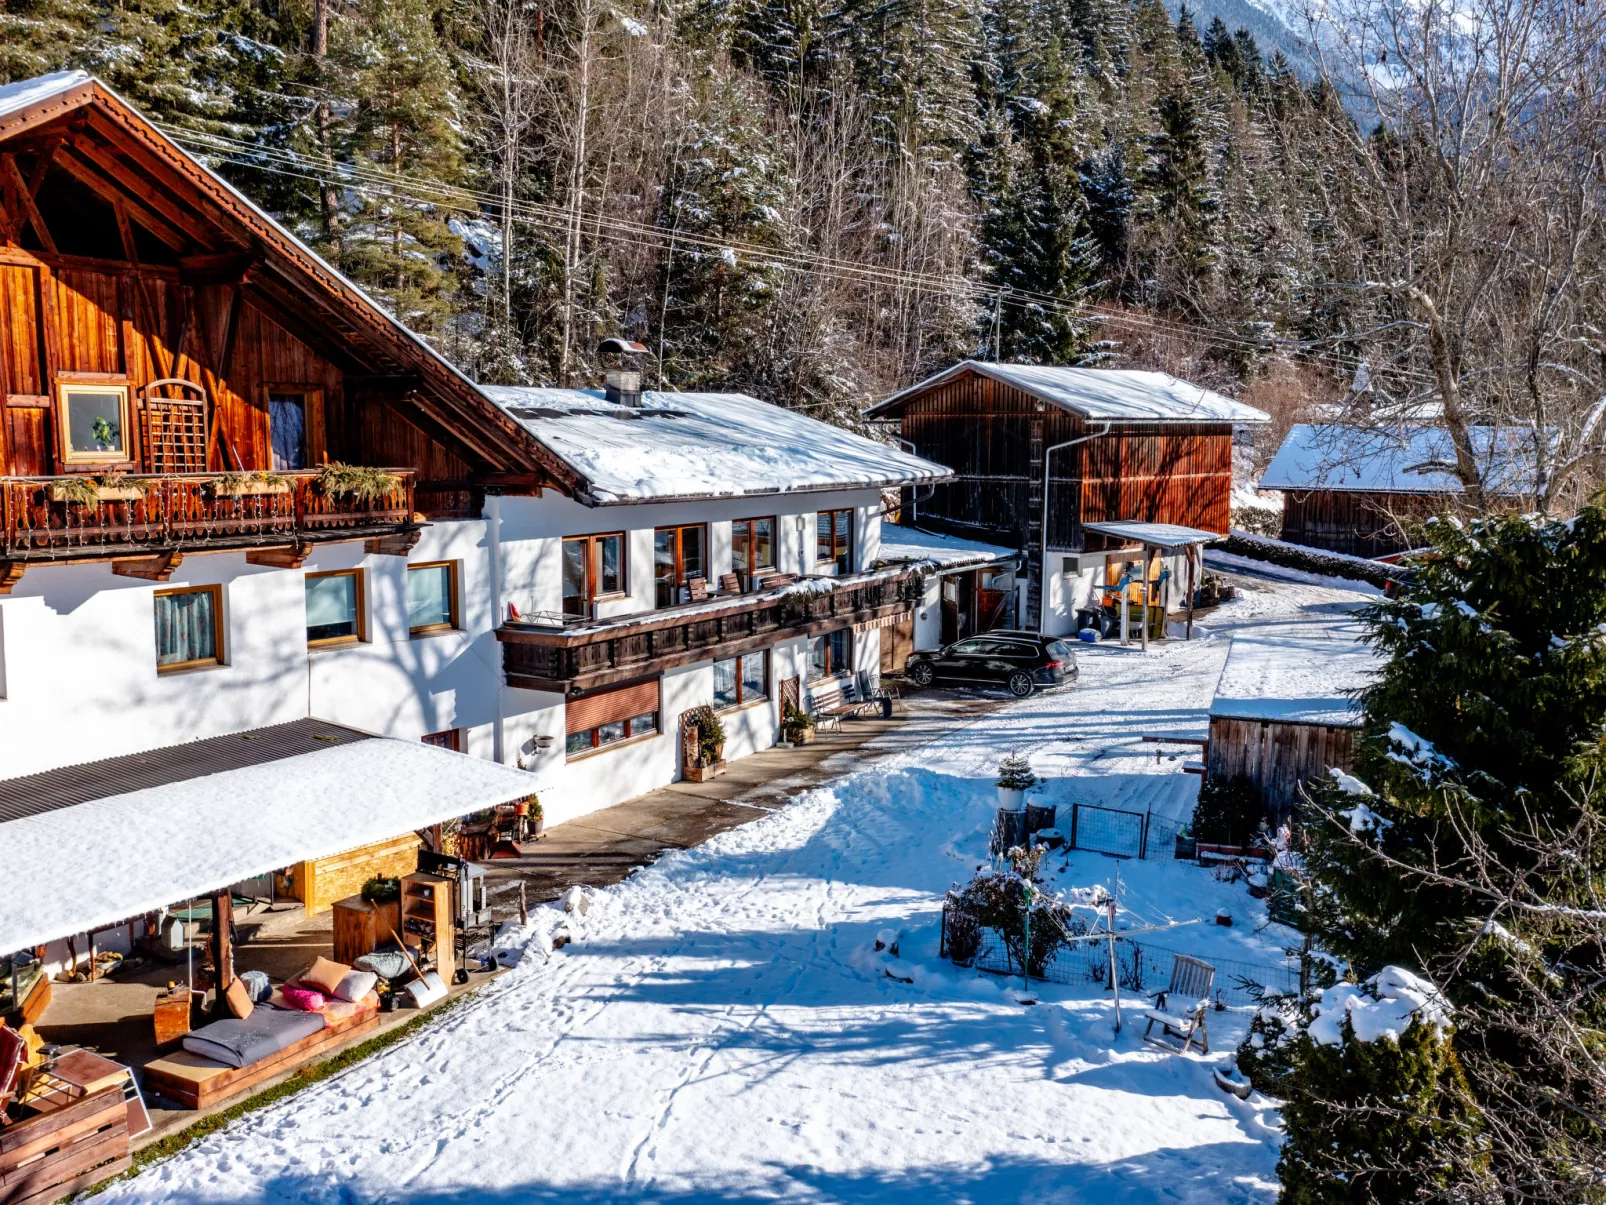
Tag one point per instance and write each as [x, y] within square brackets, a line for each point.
[250, 485]
[87, 491]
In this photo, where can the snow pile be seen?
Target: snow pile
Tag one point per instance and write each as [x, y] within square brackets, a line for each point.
[1382, 1007]
[900, 543]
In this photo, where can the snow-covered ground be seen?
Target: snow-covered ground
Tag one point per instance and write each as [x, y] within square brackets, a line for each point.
[723, 1029]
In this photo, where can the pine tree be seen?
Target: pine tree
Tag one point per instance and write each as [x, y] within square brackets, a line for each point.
[397, 75]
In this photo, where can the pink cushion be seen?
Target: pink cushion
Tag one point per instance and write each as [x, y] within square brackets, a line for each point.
[304, 998]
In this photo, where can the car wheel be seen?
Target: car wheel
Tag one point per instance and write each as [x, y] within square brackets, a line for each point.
[1020, 684]
[921, 673]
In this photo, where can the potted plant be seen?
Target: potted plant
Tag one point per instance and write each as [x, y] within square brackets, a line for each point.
[1015, 778]
[534, 821]
[711, 736]
[250, 485]
[798, 725]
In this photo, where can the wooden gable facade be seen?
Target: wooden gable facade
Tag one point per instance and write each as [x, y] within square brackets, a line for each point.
[158, 334]
[993, 436]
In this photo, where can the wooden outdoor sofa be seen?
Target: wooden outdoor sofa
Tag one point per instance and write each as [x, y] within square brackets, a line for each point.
[196, 1082]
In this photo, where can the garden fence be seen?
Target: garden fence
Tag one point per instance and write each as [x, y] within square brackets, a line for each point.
[1142, 967]
[1122, 834]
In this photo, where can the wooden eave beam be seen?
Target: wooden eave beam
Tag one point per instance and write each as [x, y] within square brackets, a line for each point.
[291, 556]
[156, 568]
[400, 544]
[10, 574]
[19, 190]
[14, 124]
[177, 235]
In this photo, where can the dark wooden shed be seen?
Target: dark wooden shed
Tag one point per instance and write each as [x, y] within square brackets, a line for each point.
[1108, 444]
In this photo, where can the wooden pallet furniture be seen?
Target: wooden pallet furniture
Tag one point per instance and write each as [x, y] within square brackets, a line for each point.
[1184, 1020]
[64, 1148]
[193, 1082]
[361, 926]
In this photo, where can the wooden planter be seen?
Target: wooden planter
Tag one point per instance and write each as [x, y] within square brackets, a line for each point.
[800, 736]
[121, 493]
[52, 1155]
[699, 773]
[252, 489]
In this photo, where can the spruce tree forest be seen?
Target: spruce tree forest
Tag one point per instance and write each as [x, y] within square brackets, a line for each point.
[819, 202]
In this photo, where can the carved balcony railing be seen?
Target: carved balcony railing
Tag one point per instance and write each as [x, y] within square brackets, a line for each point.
[56, 518]
[569, 656]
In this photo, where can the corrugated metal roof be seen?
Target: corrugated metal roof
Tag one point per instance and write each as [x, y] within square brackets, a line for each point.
[45, 792]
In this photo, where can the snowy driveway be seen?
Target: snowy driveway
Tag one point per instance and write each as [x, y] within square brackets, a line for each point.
[722, 1029]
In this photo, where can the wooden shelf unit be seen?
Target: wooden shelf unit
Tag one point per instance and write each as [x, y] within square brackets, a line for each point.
[428, 915]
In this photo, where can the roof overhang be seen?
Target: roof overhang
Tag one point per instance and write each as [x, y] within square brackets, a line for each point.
[1168, 536]
[891, 409]
[78, 866]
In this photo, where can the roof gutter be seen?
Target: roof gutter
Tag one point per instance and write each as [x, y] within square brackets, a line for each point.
[1048, 460]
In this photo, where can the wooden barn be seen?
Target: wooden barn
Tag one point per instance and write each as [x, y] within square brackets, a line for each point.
[1093, 444]
[157, 329]
[1362, 490]
[1284, 711]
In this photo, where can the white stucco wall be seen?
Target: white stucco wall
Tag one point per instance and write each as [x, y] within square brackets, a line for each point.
[78, 679]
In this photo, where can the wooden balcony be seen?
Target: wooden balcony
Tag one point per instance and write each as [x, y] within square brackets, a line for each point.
[576, 656]
[45, 519]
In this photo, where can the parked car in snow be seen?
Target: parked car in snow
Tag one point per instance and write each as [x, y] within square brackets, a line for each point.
[1021, 662]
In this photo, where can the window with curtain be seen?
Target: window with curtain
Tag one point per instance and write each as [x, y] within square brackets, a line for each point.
[752, 545]
[741, 680]
[835, 542]
[287, 430]
[188, 628]
[432, 597]
[334, 607]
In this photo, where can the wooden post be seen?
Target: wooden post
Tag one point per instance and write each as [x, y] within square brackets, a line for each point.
[1144, 621]
[1193, 555]
[1115, 974]
[524, 908]
[222, 945]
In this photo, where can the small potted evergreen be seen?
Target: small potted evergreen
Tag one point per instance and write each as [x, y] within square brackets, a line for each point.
[798, 725]
[704, 744]
[1015, 778]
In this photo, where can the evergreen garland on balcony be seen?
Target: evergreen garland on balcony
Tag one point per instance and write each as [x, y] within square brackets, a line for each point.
[366, 484]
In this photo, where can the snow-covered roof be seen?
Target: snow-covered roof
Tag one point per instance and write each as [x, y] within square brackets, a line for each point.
[949, 552]
[24, 94]
[1160, 535]
[702, 445]
[1296, 672]
[74, 868]
[1122, 395]
[1392, 460]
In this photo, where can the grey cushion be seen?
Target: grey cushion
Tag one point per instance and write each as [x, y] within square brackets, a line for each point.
[265, 1032]
[387, 964]
[256, 982]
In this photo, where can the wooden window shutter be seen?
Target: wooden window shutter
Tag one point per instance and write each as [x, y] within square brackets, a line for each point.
[606, 706]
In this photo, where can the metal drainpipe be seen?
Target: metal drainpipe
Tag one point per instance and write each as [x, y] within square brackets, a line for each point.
[914, 492]
[1042, 559]
[493, 540]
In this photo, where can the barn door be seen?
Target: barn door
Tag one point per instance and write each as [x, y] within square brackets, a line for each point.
[175, 426]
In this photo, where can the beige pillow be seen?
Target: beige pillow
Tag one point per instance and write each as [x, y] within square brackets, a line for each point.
[324, 975]
[238, 998]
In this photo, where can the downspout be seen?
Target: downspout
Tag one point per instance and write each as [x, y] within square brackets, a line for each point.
[1042, 558]
[493, 542]
[914, 491]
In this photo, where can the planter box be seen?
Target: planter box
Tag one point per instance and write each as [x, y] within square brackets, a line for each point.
[122, 493]
[704, 773]
[253, 489]
[801, 736]
[1012, 799]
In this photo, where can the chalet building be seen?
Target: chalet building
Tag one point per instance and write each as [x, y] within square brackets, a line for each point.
[1361, 490]
[1072, 447]
[247, 518]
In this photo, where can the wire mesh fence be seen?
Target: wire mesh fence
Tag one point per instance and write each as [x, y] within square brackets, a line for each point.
[1141, 967]
[1107, 830]
[1160, 838]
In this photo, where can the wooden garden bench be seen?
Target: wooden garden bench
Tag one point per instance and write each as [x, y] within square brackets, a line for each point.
[830, 699]
[1191, 980]
[729, 583]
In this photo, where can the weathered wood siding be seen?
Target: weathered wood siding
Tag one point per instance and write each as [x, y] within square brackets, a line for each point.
[1277, 758]
[993, 436]
[1360, 524]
